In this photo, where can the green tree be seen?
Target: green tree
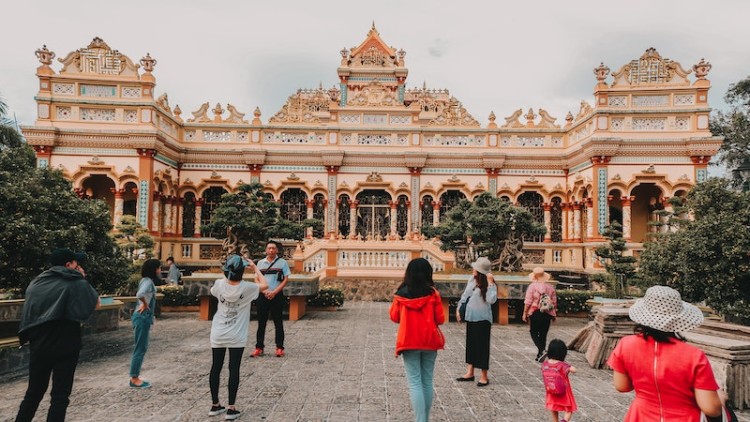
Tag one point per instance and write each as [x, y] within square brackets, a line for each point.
[621, 270]
[734, 125]
[133, 239]
[39, 212]
[706, 257]
[489, 225]
[248, 218]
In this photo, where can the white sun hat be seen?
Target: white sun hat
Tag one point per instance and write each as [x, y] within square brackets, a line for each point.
[663, 309]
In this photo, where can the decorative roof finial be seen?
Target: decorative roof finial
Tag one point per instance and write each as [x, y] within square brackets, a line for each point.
[45, 56]
[492, 117]
[148, 63]
[601, 73]
[701, 69]
[218, 111]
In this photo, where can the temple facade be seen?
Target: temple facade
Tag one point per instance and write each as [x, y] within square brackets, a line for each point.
[374, 160]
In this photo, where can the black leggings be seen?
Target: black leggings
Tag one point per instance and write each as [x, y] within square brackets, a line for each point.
[539, 326]
[235, 358]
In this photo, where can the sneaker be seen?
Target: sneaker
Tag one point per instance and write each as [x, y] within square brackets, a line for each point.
[217, 410]
[257, 353]
[143, 384]
[280, 352]
[232, 414]
[541, 357]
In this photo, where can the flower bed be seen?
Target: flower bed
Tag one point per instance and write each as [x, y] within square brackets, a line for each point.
[326, 298]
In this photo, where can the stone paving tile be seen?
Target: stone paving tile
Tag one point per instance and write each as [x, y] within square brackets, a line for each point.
[340, 366]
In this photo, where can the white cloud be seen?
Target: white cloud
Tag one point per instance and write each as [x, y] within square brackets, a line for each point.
[493, 56]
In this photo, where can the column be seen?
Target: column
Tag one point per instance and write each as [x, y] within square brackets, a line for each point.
[577, 222]
[700, 164]
[414, 204]
[492, 180]
[547, 222]
[590, 219]
[198, 209]
[393, 205]
[409, 220]
[145, 174]
[665, 218]
[565, 225]
[178, 216]
[255, 172]
[309, 209]
[332, 225]
[353, 219]
[436, 213]
[119, 202]
[155, 211]
[167, 229]
[626, 216]
[327, 227]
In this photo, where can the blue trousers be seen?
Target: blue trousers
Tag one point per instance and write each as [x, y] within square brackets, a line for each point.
[141, 329]
[420, 368]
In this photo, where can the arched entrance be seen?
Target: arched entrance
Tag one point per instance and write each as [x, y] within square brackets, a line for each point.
[532, 201]
[648, 199]
[99, 186]
[373, 214]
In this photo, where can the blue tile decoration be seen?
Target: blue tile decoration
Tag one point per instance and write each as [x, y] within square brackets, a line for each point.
[701, 175]
[143, 203]
[602, 198]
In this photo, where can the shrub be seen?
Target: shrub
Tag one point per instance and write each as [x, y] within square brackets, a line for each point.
[175, 296]
[327, 297]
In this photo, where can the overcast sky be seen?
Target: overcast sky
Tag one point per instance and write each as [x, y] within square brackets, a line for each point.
[492, 55]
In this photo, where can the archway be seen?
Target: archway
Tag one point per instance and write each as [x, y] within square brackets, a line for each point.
[448, 200]
[615, 206]
[648, 199]
[211, 198]
[373, 214]
[532, 201]
[99, 186]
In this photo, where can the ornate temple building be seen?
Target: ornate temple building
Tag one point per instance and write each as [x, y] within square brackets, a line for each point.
[374, 160]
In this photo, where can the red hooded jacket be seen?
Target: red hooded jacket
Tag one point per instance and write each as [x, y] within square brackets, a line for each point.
[418, 320]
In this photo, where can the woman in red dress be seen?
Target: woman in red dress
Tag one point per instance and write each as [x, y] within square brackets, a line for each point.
[673, 380]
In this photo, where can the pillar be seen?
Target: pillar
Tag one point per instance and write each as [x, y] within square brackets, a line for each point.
[577, 222]
[255, 172]
[414, 204]
[119, 202]
[309, 215]
[179, 202]
[590, 219]
[436, 213]
[198, 209]
[393, 205]
[547, 222]
[155, 213]
[167, 228]
[332, 225]
[353, 219]
[565, 225]
[626, 216]
[145, 174]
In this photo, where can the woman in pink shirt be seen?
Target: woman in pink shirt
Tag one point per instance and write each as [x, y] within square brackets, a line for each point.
[539, 308]
[673, 380]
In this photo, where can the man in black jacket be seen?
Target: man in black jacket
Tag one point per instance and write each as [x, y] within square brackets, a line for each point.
[56, 303]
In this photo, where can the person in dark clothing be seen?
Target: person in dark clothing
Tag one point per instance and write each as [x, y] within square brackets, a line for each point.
[56, 303]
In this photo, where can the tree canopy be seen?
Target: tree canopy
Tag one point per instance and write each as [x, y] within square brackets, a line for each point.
[39, 212]
[734, 125]
[706, 257]
[248, 218]
[491, 226]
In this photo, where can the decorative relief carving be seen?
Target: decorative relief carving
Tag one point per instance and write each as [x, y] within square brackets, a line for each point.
[556, 141]
[375, 94]
[353, 118]
[682, 123]
[651, 68]
[618, 101]
[512, 120]
[546, 121]
[129, 169]
[292, 176]
[649, 123]
[96, 161]
[63, 113]
[189, 135]
[684, 99]
[217, 136]
[650, 100]
[234, 115]
[455, 140]
[131, 116]
[374, 177]
[374, 140]
[617, 124]
[242, 136]
[64, 89]
[98, 58]
[616, 177]
[505, 141]
[701, 69]
[303, 106]
[98, 114]
[374, 119]
[400, 119]
[98, 91]
[684, 178]
[200, 115]
[439, 107]
[649, 170]
[163, 103]
[532, 179]
[215, 175]
[44, 56]
[584, 110]
[530, 141]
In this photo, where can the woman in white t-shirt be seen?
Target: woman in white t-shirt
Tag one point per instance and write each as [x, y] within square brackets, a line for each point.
[229, 328]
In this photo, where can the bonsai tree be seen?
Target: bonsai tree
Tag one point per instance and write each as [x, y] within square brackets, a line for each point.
[621, 269]
[246, 219]
[487, 226]
[133, 239]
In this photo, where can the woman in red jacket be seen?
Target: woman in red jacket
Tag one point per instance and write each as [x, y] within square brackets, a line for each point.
[418, 310]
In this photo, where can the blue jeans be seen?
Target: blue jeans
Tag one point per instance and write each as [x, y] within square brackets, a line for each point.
[420, 367]
[141, 329]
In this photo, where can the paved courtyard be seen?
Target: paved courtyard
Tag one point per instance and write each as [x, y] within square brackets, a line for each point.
[339, 366]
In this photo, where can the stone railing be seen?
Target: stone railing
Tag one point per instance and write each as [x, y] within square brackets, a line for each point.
[373, 259]
[437, 264]
[315, 263]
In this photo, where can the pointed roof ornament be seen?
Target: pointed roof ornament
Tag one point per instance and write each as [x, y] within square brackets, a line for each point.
[148, 63]
[45, 56]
